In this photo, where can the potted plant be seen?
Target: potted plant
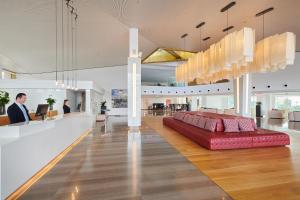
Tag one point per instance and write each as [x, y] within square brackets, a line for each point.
[4, 99]
[103, 107]
[51, 102]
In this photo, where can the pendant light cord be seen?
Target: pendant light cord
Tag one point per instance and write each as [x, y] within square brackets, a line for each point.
[200, 38]
[56, 42]
[263, 33]
[227, 21]
[68, 47]
[62, 42]
[75, 59]
[72, 49]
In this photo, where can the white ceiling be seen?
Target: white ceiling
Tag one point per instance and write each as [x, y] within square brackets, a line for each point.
[27, 35]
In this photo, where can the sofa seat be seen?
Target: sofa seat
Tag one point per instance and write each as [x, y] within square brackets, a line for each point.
[223, 140]
[294, 116]
[276, 114]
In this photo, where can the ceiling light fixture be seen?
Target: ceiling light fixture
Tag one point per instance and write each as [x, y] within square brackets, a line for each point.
[264, 11]
[69, 54]
[222, 60]
[184, 35]
[184, 40]
[274, 52]
[228, 6]
[200, 25]
[228, 28]
[207, 38]
[236, 55]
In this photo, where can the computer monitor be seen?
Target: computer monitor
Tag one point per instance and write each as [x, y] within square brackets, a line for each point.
[41, 110]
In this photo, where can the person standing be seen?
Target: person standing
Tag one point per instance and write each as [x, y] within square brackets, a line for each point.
[17, 112]
[66, 107]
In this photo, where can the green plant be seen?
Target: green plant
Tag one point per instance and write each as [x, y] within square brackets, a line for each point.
[4, 98]
[50, 101]
[103, 103]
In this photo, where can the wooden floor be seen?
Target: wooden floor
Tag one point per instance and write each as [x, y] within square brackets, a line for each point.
[246, 174]
[124, 165]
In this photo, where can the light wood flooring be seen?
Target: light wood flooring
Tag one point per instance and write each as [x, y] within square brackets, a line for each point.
[115, 164]
[246, 174]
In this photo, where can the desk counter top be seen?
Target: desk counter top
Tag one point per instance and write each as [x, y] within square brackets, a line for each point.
[5, 121]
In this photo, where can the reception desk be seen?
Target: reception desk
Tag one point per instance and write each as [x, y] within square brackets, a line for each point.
[5, 121]
[27, 148]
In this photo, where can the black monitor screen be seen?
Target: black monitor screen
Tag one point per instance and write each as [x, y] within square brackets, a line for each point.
[42, 110]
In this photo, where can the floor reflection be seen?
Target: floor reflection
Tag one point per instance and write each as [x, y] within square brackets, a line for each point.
[156, 113]
[277, 124]
[117, 163]
[134, 159]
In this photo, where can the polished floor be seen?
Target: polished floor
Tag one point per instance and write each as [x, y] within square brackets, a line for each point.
[245, 174]
[113, 163]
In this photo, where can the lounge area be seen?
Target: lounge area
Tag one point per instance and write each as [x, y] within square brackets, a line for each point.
[220, 131]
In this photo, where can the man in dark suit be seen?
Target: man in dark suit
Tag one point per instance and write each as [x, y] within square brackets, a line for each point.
[17, 112]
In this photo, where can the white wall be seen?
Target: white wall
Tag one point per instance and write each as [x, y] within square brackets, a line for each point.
[71, 96]
[277, 80]
[148, 101]
[218, 101]
[38, 90]
[220, 88]
[38, 96]
[96, 99]
[107, 78]
[4, 74]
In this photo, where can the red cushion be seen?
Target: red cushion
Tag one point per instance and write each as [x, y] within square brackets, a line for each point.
[176, 115]
[186, 118]
[219, 126]
[182, 115]
[245, 124]
[210, 125]
[195, 120]
[190, 120]
[201, 122]
[231, 125]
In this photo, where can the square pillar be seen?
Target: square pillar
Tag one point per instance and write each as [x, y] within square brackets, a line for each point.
[242, 95]
[134, 80]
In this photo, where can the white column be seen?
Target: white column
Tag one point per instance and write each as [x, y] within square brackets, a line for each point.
[194, 106]
[2, 74]
[242, 95]
[203, 101]
[134, 80]
[88, 101]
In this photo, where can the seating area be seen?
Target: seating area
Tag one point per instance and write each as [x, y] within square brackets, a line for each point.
[294, 116]
[220, 131]
[276, 114]
[228, 111]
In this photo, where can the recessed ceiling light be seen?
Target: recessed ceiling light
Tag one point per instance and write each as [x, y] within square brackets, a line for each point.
[207, 38]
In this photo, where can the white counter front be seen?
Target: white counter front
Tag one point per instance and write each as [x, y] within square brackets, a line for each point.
[27, 148]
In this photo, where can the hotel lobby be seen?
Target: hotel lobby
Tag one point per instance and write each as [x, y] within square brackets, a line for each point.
[149, 99]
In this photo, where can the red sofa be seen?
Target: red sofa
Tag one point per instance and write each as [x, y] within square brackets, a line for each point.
[226, 140]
